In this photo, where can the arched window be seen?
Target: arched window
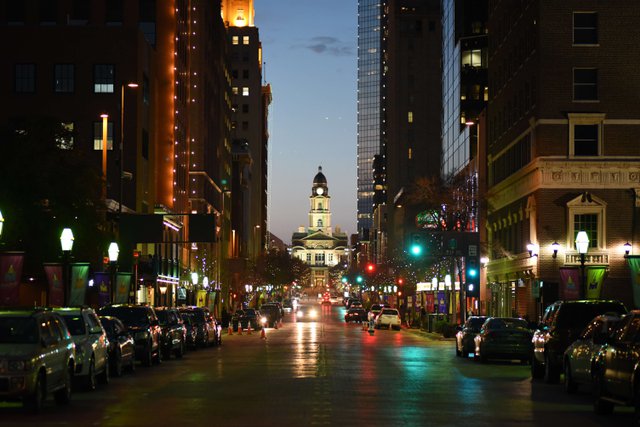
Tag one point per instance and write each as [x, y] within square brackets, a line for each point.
[319, 223]
[320, 206]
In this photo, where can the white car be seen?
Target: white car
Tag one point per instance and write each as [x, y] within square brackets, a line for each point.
[92, 345]
[388, 317]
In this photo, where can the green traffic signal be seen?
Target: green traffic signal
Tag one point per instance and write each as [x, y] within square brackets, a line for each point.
[359, 279]
[344, 279]
[416, 250]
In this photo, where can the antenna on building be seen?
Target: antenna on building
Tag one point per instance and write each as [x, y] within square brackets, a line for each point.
[264, 72]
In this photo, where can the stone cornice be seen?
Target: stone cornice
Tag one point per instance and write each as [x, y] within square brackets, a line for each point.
[563, 173]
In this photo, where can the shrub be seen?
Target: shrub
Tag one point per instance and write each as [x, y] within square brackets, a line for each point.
[445, 328]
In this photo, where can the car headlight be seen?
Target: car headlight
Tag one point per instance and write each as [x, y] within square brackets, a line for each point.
[301, 314]
[313, 314]
[263, 319]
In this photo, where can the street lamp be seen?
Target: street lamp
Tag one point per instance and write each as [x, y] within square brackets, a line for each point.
[555, 246]
[113, 252]
[131, 85]
[627, 246]
[582, 243]
[194, 278]
[66, 243]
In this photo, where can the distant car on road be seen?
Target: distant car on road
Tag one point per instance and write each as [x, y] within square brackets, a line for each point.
[355, 315]
[388, 317]
[307, 314]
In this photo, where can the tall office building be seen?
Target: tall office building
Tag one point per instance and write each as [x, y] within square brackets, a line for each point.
[370, 131]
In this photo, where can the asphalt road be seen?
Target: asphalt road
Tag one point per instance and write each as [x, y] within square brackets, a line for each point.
[324, 373]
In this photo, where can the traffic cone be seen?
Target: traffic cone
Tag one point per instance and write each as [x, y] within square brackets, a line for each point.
[275, 326]
[230, 331]
[263, 334]
[239, 328]
[248, 328]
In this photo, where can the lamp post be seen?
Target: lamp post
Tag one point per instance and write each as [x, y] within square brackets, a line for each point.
[131, 85]
[582, 243]
[66, 244]
[113, 252]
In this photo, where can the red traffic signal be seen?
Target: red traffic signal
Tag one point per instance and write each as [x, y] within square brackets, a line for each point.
[400, 281]
[370, 268]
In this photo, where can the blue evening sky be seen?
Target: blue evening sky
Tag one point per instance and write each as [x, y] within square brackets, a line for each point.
[310, 50]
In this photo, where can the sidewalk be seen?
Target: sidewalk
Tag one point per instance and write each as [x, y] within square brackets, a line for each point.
[429, 335]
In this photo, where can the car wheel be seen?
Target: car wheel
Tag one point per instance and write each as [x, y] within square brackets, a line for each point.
[35, 402]
[148, 357]
[105, 376]
[90, 380]
[600, 406]
[117, 364]
[537, 370]
[63, 396]
[570, 385]
[551, 374]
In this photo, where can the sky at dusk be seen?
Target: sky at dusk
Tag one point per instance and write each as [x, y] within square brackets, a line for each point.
[310, 50]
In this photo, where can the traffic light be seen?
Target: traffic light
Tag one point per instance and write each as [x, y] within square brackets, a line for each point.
[359, 279]
[344, 279]
[400, 281]
[371, 268]
[417, 245]
[472, 276]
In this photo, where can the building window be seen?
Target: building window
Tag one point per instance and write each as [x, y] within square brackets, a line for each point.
[245, 125]
[330, 257]
[97, 135]
[64, 140]
[585, 28]
[587, 213]
[410, 117]
[234, 90]
[80, 10]
[103, 78]
[16, 12]
[308, 257]
[245, 74]
[63, 78]
[585, 84]
[472, 58]
[245, 39]
[25, 79]
[245, 108]
[234, 40]
[145, 89]
[320, 258]
[585, 134]
[245, 91]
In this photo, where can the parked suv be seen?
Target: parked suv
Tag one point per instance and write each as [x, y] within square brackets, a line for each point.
[92, 345]
[561, 324]
[208, 331]
[37, 357]
[174, 333]
[142, 322]
[272, 314]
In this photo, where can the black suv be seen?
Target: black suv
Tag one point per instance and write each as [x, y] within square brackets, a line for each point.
[208, 330]
[561, 324]
[174, 332]
[142, 322]
[272, 314]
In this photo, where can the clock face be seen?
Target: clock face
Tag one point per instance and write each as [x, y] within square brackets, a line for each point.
[319, 191]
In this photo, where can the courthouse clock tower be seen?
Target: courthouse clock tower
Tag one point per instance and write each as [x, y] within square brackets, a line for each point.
[320, 209]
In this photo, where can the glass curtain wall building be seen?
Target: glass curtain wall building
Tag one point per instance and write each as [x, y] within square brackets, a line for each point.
[369, 106]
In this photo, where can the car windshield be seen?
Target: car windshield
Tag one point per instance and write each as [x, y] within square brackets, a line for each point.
[249, 312]
[507, 323]
[476, 322]
[18, 330]
[390, 312]
[130, 316]
[163, 317]
[376, 307]
[75, 324]
[577, 316]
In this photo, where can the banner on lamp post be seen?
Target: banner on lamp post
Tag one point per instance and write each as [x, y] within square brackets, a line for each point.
[569, 283]
[442, 302]
[79, 282]
[10, 274]
[595, 277]
[123, 285]
[103, 281]
[634, 266]
[55, 287]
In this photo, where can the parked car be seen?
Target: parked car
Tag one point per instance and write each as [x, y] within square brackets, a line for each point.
[376, 309]
[355, 315]
[287, 306]
[465, 344]
[271, 313]
[90, 338]
[388, 318]
[208, 330]
[580, 356]
[503, 338]
[122, 349]
[142, 322]
[617, 368]
[191, 327]
[174, 333]
[37, 356]
[560, 326]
